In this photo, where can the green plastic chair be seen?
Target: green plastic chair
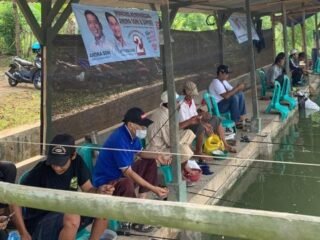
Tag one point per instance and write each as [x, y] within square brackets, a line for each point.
[86, 152]
[316, 67]
[263, 82]
[214, 110]
[275, 103]
[285, 93]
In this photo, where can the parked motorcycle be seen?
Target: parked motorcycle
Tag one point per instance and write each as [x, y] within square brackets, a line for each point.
[23, 71]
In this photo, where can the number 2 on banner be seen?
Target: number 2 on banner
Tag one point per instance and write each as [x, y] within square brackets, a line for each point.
[139, 45]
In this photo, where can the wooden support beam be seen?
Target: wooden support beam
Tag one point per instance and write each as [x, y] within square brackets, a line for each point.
[173, 13]
[234, 222]
[317, 32]
[61, 20]
[273, 27]
[32, 21]
[285, 37]
[303, 31]
[293, 35]
[256, 121]
[220, 20]
[178, 186]
[55, 10]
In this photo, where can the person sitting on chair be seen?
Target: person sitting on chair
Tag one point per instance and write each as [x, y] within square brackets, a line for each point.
[295, 69]
[227, 97]
[65, 170]
[276, 71]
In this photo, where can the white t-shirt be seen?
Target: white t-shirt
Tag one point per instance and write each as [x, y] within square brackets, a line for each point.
[186, 112]
[217, 88]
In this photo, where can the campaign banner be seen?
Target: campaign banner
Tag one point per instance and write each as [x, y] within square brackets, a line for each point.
[238, 22]
[116, 34]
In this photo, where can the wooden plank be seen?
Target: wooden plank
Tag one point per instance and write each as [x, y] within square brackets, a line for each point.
[32, 21]
[244, 223]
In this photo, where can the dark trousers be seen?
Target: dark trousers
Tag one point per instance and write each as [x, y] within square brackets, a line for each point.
[50, 225]
[145, 168]
[8, 173]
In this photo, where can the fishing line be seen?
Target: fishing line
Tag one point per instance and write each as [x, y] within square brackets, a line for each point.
[169, 153]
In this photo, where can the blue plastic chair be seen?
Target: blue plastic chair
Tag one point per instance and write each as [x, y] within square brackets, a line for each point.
[275, 103]
[214, 110]
[86, 152]
[316, 67]
[285, 93]
[263, 82]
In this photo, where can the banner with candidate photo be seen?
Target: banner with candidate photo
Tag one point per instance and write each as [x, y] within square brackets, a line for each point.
[115, 34]
[238, 22]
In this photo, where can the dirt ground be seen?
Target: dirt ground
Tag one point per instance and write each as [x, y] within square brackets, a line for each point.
[18, 105]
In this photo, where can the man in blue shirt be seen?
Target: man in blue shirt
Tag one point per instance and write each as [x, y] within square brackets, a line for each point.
[115, 164]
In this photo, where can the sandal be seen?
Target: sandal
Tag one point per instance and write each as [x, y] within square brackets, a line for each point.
[143, 228]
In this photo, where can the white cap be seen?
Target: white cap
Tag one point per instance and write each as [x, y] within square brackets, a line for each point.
[164, 97]
[293, 51]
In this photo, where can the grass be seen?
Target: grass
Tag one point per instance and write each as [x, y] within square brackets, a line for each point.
[18, 110]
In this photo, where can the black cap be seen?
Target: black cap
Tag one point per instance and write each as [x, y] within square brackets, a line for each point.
[59, 153]
[223, 69]
[137, 116]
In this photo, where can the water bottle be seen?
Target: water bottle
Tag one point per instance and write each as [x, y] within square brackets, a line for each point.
[14, 235]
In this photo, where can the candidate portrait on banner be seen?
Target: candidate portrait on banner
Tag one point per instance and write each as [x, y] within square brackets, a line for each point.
[115, 34]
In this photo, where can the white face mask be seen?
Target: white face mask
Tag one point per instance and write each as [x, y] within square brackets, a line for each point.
[141, 133]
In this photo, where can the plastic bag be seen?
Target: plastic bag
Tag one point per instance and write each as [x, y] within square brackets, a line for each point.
[213, 143]
[309, 104]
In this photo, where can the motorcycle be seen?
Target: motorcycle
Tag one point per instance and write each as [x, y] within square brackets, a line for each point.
[23, 71]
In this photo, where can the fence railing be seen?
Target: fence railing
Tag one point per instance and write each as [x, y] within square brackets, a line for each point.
[245, 223]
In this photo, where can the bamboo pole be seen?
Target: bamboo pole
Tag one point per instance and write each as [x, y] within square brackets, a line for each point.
[245, 223]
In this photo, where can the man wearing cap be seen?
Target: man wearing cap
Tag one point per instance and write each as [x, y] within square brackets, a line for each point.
[158, 136]
[207, 124]
[295, 69]
[227, 97]
[115, 165]
[64, 170]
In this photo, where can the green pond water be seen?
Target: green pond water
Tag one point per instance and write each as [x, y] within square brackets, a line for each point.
[282, 187]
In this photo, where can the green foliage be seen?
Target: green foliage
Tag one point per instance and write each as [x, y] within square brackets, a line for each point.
[6, 29]
[192, 22]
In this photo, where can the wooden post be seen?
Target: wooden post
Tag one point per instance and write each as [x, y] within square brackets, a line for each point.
[303, 31]
[178, 188]
[234, 222]
[46, 97]
[293, 36]
[317, 34]
[220, 24]
[285, 36]
[273, 27]
[256, 121]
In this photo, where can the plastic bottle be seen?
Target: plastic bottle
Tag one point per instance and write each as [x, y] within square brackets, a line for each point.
[14, 235]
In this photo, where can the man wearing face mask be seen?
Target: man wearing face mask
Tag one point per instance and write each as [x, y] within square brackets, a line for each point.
[118, 167]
